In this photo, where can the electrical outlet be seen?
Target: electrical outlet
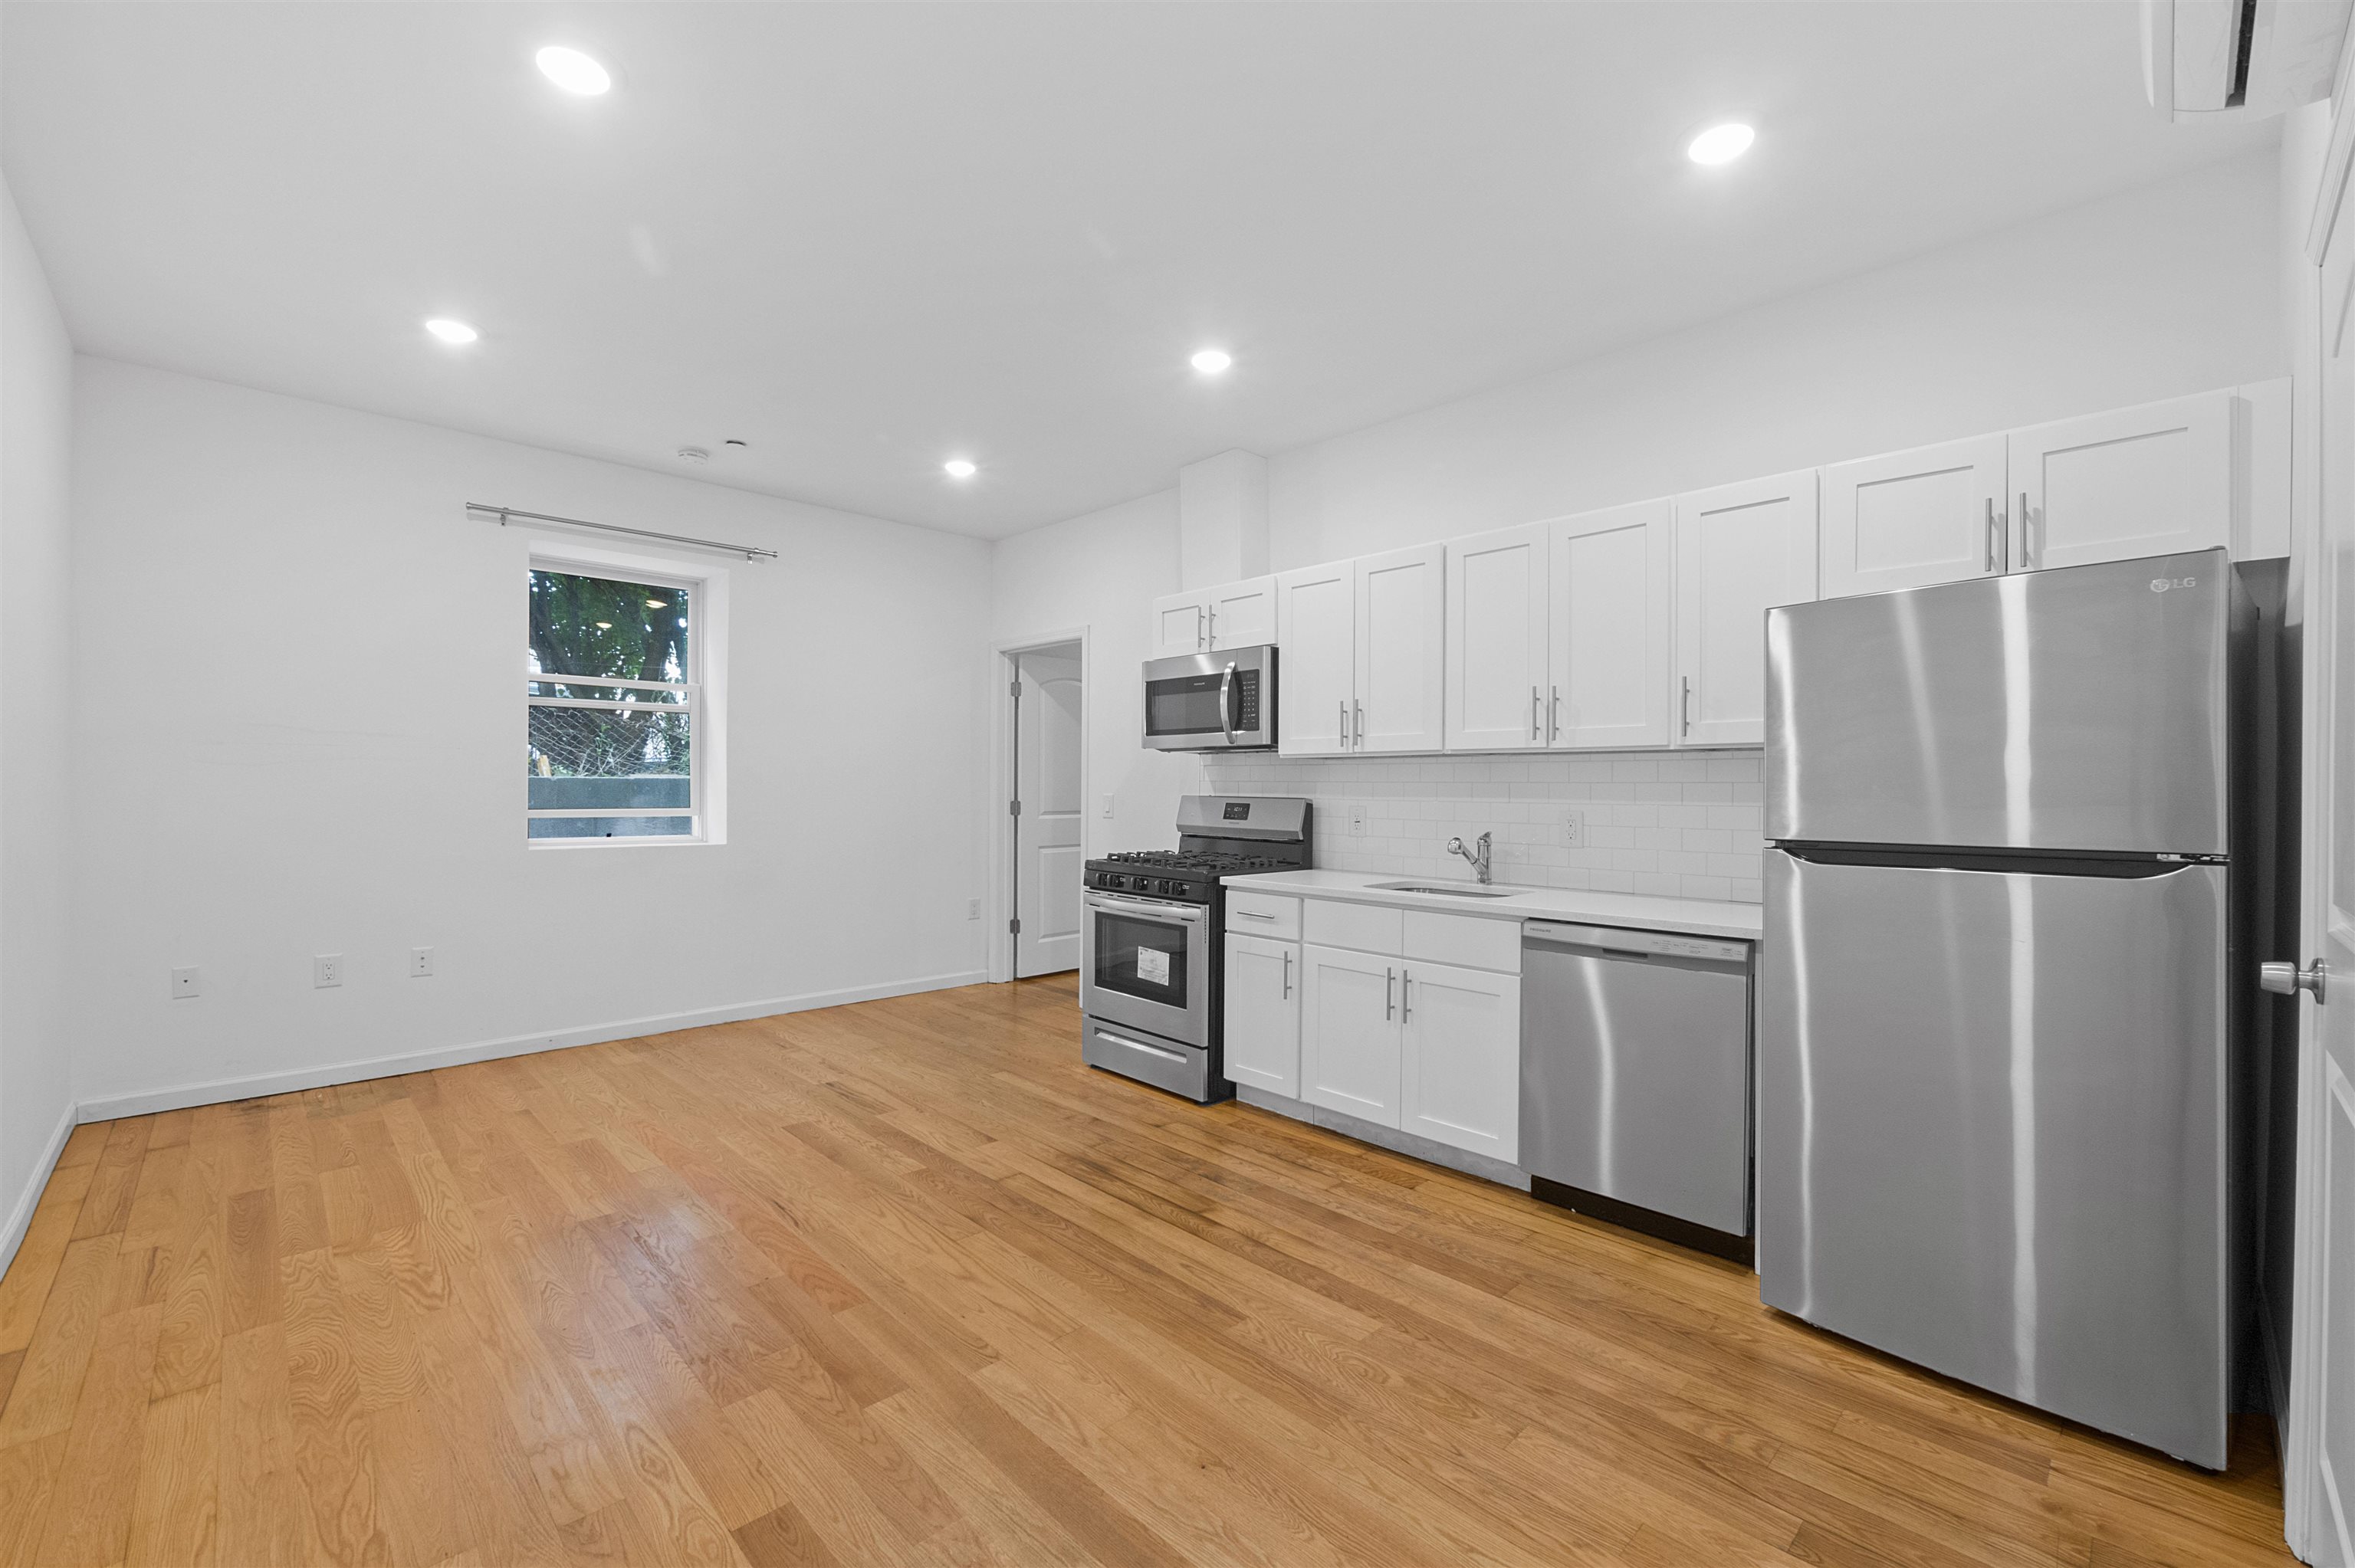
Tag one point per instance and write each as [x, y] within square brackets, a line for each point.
[973, 909]
[327, 968]
[1357, 818]
[1573, 828]
[421, 962]
[184, 982]
[1107, 806]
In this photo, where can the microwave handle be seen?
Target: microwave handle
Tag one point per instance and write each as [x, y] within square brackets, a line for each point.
[1226, 690]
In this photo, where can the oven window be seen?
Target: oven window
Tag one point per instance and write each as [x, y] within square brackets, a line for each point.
[1143, 958]
[1184, 704]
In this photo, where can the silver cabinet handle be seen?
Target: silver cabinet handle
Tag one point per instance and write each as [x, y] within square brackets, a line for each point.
[1537, 705]
[2288, 980]
[1226, 689]
[1684, 705]
[1390, 984]
[1553, 716]
[1991, 534]
[1406, 995]
[1342, 738]
[1250, 915]
[1359, 709]
[1287, 974]
[1214, 627]
[1202, 634]
[2026, 560]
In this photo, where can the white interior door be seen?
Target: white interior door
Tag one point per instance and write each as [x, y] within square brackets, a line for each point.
[1496, 619]
[1048, 856]
[1741, 549]
[1608, 634]
[1314, 683]
[2150, 481]
[1935, 514]
[2321, 1480]
[1401, 616]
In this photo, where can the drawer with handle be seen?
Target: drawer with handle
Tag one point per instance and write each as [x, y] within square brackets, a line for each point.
[1262, 915]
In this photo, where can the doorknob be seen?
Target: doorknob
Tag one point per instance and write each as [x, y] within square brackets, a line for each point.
[2287, 979]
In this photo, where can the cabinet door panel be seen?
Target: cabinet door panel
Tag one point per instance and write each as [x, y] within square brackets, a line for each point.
[1741, 550]
[1460, 1058]
[1935, 514]
[1263, 1014]
[1243, 614]
[1314, 613]
[1401, 613]
[1181, 624]
[1609, 630]
[2152, 481]
[1497, 640]
[1349, 1034]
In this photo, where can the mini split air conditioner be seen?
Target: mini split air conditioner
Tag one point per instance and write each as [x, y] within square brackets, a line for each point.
[2240, 59]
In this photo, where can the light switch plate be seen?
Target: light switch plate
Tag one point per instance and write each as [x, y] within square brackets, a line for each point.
[1107, 805]
[327, 968]
[1574, 829]
[184, 983]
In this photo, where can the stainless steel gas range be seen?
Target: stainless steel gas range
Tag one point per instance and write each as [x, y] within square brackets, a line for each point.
[1153, 942]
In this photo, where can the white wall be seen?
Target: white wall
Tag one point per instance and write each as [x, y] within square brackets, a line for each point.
[301, 730]
[2172, 289]
[37, 372]
[1100, 571]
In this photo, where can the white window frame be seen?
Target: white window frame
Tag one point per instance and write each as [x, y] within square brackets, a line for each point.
[705, 687]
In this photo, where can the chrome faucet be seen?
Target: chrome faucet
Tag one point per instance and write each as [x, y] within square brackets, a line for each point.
[1479, 862]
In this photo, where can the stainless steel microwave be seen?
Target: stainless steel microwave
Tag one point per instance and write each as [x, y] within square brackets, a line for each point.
[1224, 701]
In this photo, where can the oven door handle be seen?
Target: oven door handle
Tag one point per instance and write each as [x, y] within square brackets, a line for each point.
[1162, 1052]
[1226, 689]
[1191, 914]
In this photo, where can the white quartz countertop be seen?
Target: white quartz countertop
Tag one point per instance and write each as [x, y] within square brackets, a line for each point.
[1643, 912]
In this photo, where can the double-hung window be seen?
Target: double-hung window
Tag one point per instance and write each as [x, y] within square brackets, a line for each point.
[615, 707]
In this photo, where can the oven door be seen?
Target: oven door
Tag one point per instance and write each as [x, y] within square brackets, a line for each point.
[1146, 962]
[1224, 701]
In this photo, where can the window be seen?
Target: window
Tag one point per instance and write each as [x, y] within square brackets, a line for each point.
[615, 719]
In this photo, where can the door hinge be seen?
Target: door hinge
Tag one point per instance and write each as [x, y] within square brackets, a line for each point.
[1013, 808]
[1014, 688]
[1015, 924]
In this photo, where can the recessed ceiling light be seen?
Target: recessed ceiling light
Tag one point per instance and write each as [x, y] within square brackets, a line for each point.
[1721, 143]
[959, 467]
[1210, 361]
[449, 331]
[572, 70]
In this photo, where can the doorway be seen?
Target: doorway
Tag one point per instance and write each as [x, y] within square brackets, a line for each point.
[1048, 806]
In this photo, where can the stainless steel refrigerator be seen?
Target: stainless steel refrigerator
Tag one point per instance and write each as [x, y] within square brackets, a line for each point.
[1995, 1119]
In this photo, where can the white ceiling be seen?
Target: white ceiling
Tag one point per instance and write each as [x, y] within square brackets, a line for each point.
[863, 238]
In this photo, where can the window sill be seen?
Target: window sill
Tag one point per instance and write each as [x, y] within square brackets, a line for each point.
[585, 843]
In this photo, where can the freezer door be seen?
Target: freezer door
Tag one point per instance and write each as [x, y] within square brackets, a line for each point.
[1991, 1131]
[2082, 708]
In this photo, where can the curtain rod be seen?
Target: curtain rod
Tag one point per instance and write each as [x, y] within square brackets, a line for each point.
[750, 552]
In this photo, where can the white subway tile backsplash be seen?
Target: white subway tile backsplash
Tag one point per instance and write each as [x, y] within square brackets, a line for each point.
[1666, 822]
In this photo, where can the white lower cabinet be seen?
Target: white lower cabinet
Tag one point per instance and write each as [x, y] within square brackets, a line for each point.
[1263, 1014]
[1460, 1057]
[1350, 1033]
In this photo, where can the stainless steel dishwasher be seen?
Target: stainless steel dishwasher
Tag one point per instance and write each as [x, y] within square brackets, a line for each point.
[1635, 1071]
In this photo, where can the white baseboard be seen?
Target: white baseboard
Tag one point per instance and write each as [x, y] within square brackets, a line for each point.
[20, 1216]
[221, 1089]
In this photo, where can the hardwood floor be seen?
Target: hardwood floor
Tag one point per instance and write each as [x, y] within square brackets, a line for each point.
[904, 1283]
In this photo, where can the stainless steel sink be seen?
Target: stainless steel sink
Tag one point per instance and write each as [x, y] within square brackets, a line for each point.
[1458, 891]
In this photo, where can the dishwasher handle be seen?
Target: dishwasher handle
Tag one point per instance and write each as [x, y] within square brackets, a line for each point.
[1623, 942]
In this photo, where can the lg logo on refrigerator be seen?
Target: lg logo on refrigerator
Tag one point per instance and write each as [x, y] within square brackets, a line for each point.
[2160, 585]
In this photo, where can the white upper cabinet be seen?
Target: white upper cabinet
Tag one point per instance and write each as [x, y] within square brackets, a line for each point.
[1460, 1058]
[1316, 620]
[2150, 481]
[1233, 615]
[1263, 1013]
[1181, 624]
[1608, 641]
[1935, 514]
[1242, 615]
[1741, 549]
[1497, 640]
[1401, 615]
